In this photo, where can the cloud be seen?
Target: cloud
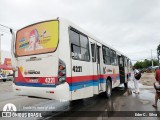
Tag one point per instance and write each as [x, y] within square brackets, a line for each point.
[131, 26]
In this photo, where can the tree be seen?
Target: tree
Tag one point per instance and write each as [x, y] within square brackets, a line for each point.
[158, 50]
[145, 64]
[138, 65]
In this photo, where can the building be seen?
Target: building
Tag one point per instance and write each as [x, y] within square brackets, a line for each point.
[6, 67]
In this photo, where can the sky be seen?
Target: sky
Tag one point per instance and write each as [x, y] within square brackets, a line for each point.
[130, 26]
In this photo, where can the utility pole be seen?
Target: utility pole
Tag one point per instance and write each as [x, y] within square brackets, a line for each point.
[151, 58]
[0, 38]
[0, 49]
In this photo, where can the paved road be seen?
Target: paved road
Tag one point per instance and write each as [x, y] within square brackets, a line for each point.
[121, 100]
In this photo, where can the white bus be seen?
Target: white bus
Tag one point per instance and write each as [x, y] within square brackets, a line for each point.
[56, 59]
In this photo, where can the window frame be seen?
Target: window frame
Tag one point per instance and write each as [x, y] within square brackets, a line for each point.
[80, 33]
[112, 56]
[105, 55]
[95, 55]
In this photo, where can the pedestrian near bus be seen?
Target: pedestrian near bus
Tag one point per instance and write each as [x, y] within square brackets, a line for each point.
[157, 86]
[136, 81]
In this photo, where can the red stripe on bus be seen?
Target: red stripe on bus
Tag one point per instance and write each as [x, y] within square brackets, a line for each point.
[87, 78]
[69, 80]
[50, 79]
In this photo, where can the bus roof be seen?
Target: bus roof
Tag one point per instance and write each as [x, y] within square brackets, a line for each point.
[89, 35]
[61, 19]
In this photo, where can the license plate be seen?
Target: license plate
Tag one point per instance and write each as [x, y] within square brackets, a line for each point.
[33, 81]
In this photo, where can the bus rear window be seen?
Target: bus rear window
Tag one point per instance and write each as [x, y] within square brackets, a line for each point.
[37, 39]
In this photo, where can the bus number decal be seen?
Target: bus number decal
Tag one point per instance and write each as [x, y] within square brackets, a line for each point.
[77, 68]
[50, 80]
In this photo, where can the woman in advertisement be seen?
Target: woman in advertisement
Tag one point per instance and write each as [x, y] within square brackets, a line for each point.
[34, 41]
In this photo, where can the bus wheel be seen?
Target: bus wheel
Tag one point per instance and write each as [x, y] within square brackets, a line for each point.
[108, 89]
[4, 80]
[126, 85]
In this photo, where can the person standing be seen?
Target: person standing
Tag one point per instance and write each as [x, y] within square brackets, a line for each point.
[136, 81]
[157, 77]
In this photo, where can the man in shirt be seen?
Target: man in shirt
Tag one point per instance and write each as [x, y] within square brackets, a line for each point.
[135, 72]
[157, 77]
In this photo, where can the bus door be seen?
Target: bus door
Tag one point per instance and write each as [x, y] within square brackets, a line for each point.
[95, 50]
[81, 81]
[98, 67]
[121, 69]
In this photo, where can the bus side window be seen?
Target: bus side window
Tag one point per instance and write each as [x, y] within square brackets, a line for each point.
[106, 55]
[93, 50]
[125, 62]
[113, 58]
[79, 45]
[128, 63]
[121, 62]
[84, 43]
[75, 45]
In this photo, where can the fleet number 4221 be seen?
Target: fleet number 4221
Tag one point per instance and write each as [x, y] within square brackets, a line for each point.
[77, 68]
[50, 80]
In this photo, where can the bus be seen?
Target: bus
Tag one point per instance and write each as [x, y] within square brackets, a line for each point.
[58, 60]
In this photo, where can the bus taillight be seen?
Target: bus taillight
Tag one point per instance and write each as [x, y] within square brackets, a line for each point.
[52, 92]
[17, 89]
[61, 72]
[61, 67]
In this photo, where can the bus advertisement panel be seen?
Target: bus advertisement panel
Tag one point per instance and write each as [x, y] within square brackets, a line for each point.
[37, 38]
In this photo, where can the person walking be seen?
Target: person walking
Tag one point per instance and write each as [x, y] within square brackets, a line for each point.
[136, 81]
[157, 86]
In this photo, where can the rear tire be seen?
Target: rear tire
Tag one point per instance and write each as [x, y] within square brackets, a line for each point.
[126, 85]
[4, 80]
[108, 89]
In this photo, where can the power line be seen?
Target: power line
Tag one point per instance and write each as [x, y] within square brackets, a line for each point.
[141, 52]
[5, 31]
[144, 59]
[7, 27]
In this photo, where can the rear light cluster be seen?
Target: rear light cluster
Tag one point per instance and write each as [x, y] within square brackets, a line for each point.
[18, 89]
[52, 92]
[61, 72]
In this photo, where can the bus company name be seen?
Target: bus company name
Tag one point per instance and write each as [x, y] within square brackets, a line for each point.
[31, 72]
[33, 59]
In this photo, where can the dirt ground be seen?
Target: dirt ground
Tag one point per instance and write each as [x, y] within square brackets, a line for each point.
[6, 86]
[148, 79]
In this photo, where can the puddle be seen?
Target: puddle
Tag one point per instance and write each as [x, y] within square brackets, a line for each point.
[141, 86]
[144, 102]
[128, 92]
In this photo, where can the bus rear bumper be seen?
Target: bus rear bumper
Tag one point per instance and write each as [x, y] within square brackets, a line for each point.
[60, 92]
